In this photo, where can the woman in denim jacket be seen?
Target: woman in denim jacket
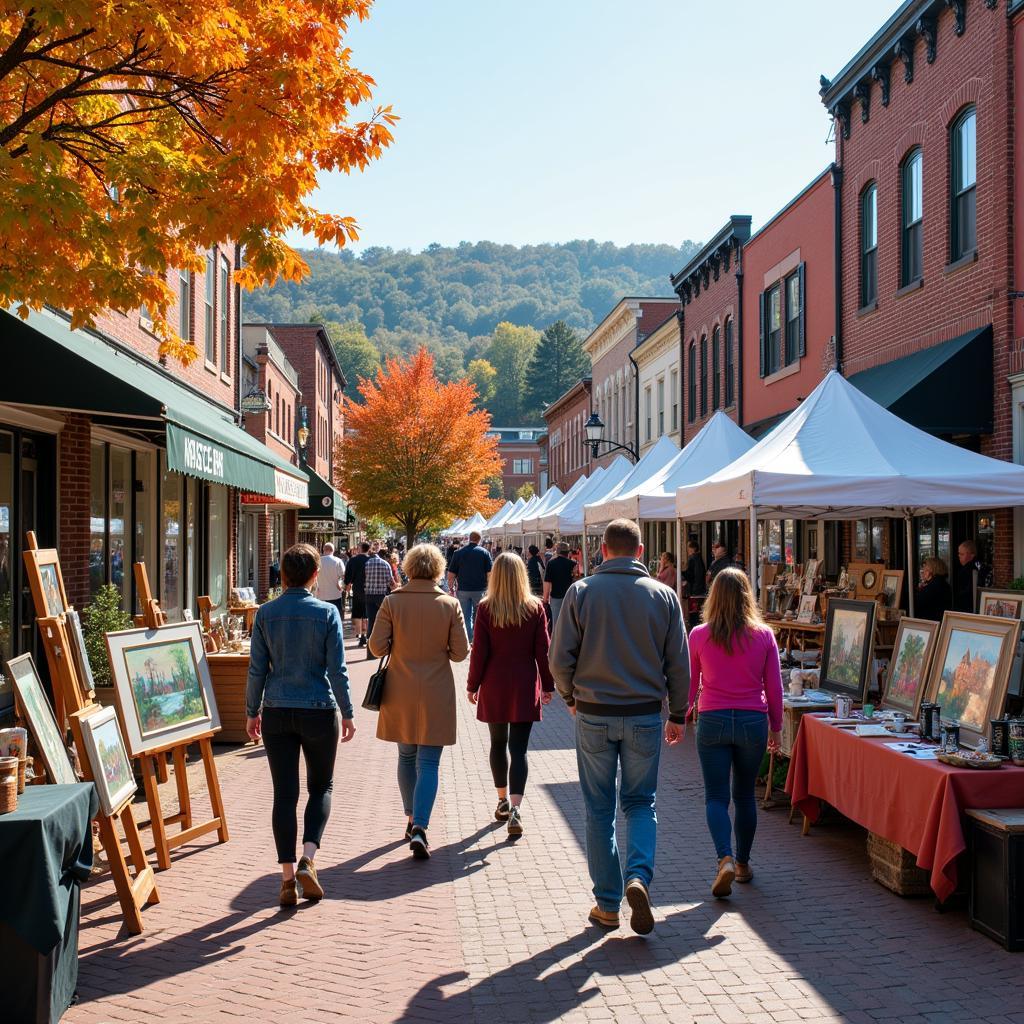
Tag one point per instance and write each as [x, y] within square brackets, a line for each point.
[297, 682]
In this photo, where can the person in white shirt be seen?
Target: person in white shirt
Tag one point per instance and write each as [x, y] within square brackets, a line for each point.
[331, 583]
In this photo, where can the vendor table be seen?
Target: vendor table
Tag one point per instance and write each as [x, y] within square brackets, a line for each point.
[802, 631]
[228, 673]
[45, 855]
[247, 612]
[917, 803]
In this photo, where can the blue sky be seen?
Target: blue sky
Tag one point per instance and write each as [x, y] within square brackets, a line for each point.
[648, 121]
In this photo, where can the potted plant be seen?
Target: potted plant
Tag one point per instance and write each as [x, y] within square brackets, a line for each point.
[104, 615]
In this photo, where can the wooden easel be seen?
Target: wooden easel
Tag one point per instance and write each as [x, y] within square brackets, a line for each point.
[72, 700]
[133, 893]
[154, 765]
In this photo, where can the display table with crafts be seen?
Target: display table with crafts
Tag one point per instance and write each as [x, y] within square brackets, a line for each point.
[911, 800]
[228, 672]
[790, 632]
[45, 854]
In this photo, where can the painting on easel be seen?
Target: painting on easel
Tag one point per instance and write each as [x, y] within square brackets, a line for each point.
[46, 581]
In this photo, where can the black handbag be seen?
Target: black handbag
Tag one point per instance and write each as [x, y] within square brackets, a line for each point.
[375, 687]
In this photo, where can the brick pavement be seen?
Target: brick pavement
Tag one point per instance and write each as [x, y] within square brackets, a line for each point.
[490, 931]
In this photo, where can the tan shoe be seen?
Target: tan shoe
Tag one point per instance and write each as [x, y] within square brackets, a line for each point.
[288, 895]
[743, 872]
[724, 879]
[305, 875]
[608, 919]
[641, 920]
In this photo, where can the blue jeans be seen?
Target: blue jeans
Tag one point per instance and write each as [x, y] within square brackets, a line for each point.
[602, 746]
[731, 743]
[417, 780]
[469, 599]
[555, 604]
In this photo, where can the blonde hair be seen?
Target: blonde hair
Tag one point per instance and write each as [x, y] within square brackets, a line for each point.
[509, 601]
[730, 610]
[424, 562]
[936, 566]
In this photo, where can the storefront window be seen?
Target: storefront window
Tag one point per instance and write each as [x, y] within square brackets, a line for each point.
[217, 547]
[276, 542]
[120, 514]
[248, 549]
[6, 569]
[143, 511]
[171, 530]
[877, 540]
[861, 536]
[192, 514]
[985, 536]
[97, 517]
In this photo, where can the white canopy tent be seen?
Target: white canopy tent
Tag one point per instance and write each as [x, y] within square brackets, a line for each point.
[453, 530]
[552, 496]
[512, 527]
[503, 511]
[494, 527]
[474, 522]
[839, 455]
[578, 492]
[569, 519]
[535, 524]
[598, 514]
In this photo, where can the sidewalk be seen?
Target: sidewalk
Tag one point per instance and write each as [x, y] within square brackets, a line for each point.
[490, 931]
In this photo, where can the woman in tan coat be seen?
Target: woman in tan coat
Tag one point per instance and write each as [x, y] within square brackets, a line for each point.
[422, 629]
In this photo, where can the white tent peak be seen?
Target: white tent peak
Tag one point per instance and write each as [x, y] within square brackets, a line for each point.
[659, 455]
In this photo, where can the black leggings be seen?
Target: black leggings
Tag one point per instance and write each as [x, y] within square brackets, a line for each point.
[505, 740]
[286, 731]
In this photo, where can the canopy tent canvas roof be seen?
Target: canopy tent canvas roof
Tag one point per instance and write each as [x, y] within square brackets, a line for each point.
[453, 529]
[550, 497]
[513, 525]
[535, 523]
[578, 492]
[719, 442]
[839, 455]
[654, 460]
[474, 522]
[503, 511]
[569, 520]
[496, 524]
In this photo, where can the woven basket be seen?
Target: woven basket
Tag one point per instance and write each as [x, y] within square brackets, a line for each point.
[896, 868]
[22, 764]
[8, 784]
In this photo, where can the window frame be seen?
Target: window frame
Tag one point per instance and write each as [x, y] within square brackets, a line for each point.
[691, 368]
[730, 366]
[647, 413]
[674, 388]
[869, 252]
[660, 388]
[774, 337]
[911, 228]
[791, 351]
[716, 366]
[223, 318]
[185, 305]
[959, 194]
[209, 302]
[522, 467]
[703, 375]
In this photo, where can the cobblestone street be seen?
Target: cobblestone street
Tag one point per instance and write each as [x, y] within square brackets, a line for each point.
[491, 931]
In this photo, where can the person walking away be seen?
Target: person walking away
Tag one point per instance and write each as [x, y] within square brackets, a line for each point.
[397, 576]
[549, 549]
[972, 575]
[736, 685]
[355, 582]
[934, 596]
[719, 560]
[558, 577]
[422, 629]
[297, 682]
[695, 573]
[667, 569]
[509, 678]
[331, 582]
[379, 583]
[535, 571]
[618, 650]
[467, 577]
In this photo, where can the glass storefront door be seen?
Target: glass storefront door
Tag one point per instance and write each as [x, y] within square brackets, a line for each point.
[6, 548]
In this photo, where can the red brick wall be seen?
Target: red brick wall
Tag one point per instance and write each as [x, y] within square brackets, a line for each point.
[276, 428]
[569, 459]
[519, 450]
[803, 232]
[974, 68]
[73, 464]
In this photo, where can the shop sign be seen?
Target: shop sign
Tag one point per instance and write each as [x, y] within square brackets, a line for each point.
[290, 489]
[254, 499]
[317, 525]
[203, 458]
[255, 402]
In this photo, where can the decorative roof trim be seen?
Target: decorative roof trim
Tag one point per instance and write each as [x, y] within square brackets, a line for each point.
[720, 251]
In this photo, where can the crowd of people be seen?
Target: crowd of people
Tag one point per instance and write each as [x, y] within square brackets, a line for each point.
[613, 645]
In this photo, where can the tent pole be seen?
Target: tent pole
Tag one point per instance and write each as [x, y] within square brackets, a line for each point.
[908, 523]
[753, 548]
[586, 561]
[679, 555]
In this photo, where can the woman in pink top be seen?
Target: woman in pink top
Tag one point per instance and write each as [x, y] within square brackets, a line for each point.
[736, 684]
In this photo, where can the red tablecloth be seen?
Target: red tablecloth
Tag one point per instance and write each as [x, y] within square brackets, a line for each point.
[918, 804]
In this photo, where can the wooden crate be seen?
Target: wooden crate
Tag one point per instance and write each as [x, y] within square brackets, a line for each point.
[996, 842]
[228, 673]
[896, 868]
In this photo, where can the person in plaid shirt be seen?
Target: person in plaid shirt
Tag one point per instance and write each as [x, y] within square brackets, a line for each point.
[379, 583]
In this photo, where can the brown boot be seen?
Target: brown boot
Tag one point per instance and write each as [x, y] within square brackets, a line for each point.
[724, 879]
[607, 919]
[305, 875]
[288, 894]
[641, 919]
[743, 872]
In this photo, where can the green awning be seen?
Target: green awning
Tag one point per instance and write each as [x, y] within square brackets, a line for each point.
[945, 389]
[47, 364]
[324, 501]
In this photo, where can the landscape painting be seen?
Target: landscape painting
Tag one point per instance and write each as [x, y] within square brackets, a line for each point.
[1004, 604]
[51, 588]
[848, 637]
[41, 721]
[165, 685]
[908, 667]
[968, 677]
[108, 760]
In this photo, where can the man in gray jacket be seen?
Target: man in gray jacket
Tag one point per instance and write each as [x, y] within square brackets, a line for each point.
[618, 649]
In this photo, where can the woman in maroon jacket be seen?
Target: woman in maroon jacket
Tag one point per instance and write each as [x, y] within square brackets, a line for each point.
[509, 678]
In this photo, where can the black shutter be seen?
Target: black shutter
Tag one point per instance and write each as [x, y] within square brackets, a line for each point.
[761, 315]
[803, 305]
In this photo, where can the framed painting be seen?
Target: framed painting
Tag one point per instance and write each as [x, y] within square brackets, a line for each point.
[104, 752]
[971, 670]
[46, 582]
[846, 654]
[892, 587]
[808, 607]
[79, 654]
[41, 722]
[866, 577]
[810, 575]
[162, 685]
[1003, 604]
[908, 667]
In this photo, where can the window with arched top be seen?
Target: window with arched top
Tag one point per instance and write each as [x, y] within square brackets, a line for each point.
[716, 366]
[869, 245]
[691, 378]
[912, 206]
[963, 186]
[704, 375]
[730, 368]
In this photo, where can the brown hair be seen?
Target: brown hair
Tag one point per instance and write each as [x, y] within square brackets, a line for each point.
[622, 537]
[936, 566]
[730, 610]
[509, 601]
[299, 564]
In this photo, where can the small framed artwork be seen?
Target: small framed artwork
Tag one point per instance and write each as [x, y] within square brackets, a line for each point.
[1004, 604]
[908, 667]
[808, 608]
[846, 655]
[79, 654]
[162, 685]
[103, 751]
[970, 672]
[867, 577]
[892, 587]
[810, 575]
[46, 582]
[39, 714]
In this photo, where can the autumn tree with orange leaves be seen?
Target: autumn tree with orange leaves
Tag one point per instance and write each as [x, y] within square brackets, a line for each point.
[134, 134]
[416, 452]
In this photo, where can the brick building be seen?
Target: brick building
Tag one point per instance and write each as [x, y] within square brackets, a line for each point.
[925, 131]
[520, 455]
[708, 289]
[613, 373]
[568, 456]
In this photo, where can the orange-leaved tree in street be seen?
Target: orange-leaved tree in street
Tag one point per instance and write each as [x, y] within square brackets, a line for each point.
[135, 134]
[416, 452]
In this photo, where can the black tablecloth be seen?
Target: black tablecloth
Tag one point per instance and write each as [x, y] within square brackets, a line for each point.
[45, 853]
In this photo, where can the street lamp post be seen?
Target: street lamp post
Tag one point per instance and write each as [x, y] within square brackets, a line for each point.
[594, 429]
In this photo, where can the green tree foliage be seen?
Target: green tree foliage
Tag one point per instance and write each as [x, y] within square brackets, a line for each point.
[525, 492]
[510, 352]
[495, 488]
[558, 362]
[484, 378]
[358, 356]
[105, 615]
